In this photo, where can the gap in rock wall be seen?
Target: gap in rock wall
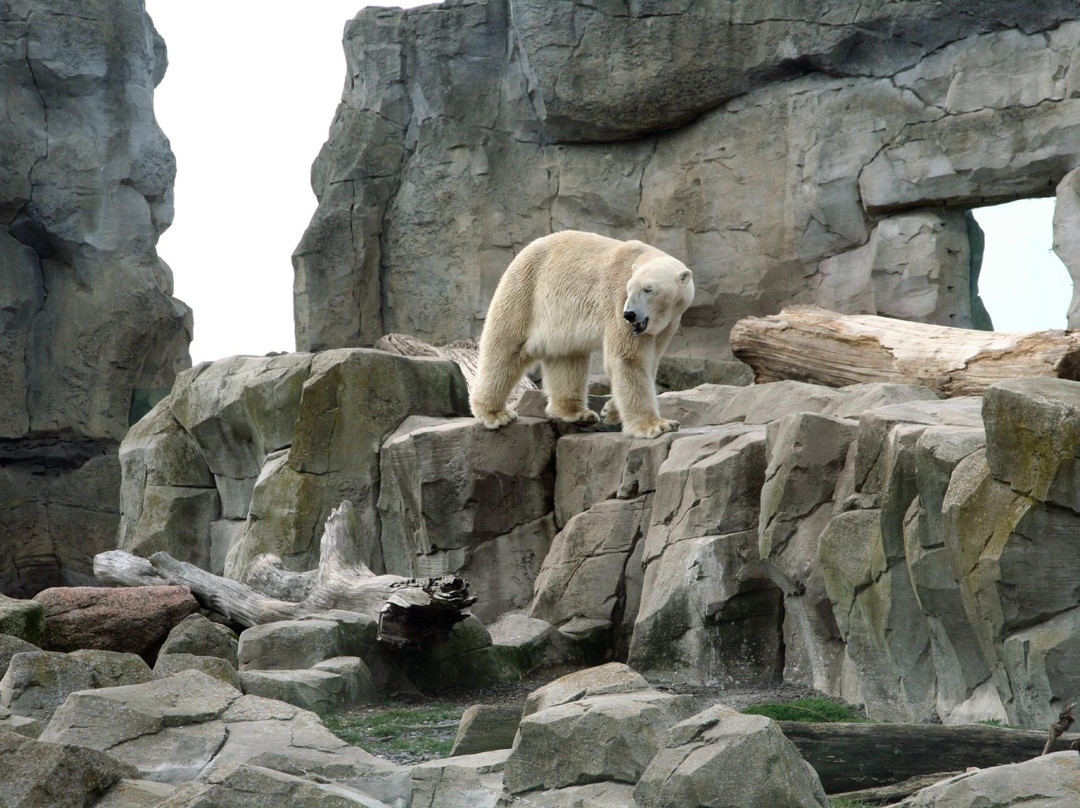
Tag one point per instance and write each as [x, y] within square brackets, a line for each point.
[1023, 284]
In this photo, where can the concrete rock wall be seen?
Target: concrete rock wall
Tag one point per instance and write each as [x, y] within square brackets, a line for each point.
[88, 323]
[815, 152]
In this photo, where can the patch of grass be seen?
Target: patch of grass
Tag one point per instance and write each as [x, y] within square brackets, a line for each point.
[819, 710]
[401, 734]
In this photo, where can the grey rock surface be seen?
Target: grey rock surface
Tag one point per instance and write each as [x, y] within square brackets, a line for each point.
[88, 321]
[183, 727]
[38, 682]
[169, 664]
[23, 619]
[201, 637]
[239, 785]
[714, 758]
[475, 780]
[456, 498]
[136, 794]
[486, 728]
[758, 143]
[335, 685]
[37, 774]
[606, 737]
[1045, 781]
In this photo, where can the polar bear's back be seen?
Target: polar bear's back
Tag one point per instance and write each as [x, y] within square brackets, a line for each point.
[563, 289]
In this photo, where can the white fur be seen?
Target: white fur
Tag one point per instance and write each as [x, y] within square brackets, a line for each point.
[565, 296]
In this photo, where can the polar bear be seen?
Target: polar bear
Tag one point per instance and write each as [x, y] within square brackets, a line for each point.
[567, 295]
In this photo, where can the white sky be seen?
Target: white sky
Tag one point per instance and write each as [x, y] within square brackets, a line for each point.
[247, 102]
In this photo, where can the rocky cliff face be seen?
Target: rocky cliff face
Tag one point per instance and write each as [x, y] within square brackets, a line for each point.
[825, 153]
[88, 323]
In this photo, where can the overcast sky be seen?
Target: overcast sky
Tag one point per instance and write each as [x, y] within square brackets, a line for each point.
[247, 102]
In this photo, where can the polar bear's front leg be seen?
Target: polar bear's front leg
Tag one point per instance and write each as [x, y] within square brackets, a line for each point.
[634, 393]
[496, 374]
[566, 381]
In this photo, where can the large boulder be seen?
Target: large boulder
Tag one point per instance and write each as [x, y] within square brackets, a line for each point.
[24, 619]
[88, 322]
[1049, 780]
[201, 637]
[239, 785]
[718, 757]
[607, 737]
[457, 498]
[38, 682]
[243, 457]
[708, 611]
[37, 774]
[299, 644]
[335, 685]
[183, 727]
[473, 780]
[134, 620]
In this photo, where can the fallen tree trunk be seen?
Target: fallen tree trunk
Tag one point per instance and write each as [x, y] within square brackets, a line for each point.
[410, 611]
[464, 353]
[849, 757]
[811, 344]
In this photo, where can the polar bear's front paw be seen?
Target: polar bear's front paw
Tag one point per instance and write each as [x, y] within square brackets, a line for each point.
[652, 428]
[497, 418]
[610, 413]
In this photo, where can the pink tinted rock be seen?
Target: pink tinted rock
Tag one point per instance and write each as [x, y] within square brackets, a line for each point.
[135, 620]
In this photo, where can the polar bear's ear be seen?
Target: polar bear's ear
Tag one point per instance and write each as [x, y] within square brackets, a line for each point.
[684, 276]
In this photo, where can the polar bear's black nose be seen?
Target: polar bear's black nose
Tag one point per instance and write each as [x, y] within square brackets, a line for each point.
[630, 316]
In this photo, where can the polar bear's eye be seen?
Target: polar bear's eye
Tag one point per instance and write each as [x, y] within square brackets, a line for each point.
[647, 290]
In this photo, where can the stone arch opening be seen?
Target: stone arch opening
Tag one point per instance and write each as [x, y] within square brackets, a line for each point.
[1022, 282]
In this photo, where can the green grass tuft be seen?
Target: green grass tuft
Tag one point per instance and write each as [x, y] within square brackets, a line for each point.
[815, 710]
[403, 734]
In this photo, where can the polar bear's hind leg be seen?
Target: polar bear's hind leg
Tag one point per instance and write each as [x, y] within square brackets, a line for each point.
[566, 381]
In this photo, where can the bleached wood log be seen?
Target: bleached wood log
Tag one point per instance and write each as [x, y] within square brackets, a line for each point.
[465, 353]
[410, 611]
[807, 343]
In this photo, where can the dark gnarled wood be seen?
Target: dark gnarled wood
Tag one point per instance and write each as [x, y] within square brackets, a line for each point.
[849, 757]
[410, 611]
[811, 344]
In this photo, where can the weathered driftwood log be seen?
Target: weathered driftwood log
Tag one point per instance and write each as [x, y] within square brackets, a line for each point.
[848, 757]
[410, 611]
[465, 353]
[811, 344]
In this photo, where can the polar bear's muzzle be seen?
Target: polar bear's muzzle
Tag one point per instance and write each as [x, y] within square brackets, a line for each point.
[638, 326]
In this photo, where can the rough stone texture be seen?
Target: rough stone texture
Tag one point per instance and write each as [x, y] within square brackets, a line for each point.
[473, 780]
[249, 454]
[457, 498]
[716, 757]
[485, 728]
[332, 686]
[201, 637]
[169, 664]
[183, 727]
[136, 794]
[709, 611]
[87, 317]
[591, 571]
[9, 647]
[135, 620]
[609, 737]
[1067, 235]
[806, 453]
[38, 682]
[9, 722]
[594, 795]
[299, 644]
[531, 642]
[238, 785]
[754, 142]
[601, 680]
[24, 619]
[1040, 783]
[36, 774]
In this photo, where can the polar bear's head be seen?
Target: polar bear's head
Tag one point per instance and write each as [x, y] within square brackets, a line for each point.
[657, 294]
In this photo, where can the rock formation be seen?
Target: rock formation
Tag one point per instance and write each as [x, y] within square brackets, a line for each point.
[824, 153]
[88, 326]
